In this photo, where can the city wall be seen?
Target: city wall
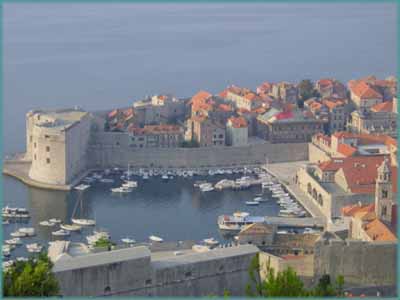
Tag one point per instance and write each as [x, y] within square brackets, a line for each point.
[115, 150]
[360, 262]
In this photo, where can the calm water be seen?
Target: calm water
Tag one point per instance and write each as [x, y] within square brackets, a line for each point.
[102, 56]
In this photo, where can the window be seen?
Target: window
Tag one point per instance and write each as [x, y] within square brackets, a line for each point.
[148, 281]
[46, 136]
[34, 145]
[188, 274]
[30, 138]
[48, 160]
[384, 194]
[221, 136]
[132, 138]
[34, 157]
[47, 148]
[117, 143]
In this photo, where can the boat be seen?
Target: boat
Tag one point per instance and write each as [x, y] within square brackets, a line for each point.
[15, 213]
[122, 189]
[61, 232]
[130, 184]
[197, 183]
[14, 241]
[258, 199]
[6, 251]
[17, 234]
[82, 187]
[200, 248]
[211, 241]
[164, 177]
[154, 238]
[97, 235]
[237, 221]
[106, 180]
[206, 187]
[7, 264]
[71, 227]
[145, 176]
[309, 230]
[253, 203]
[34, 248]
[84, 222]
[55, 220]
[46, 223]
[22, 259]
[128, 241]
[282, 232]
[28, 231]
[6, 222]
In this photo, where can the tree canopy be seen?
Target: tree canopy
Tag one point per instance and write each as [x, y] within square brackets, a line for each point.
[32, 278]
[307, 90]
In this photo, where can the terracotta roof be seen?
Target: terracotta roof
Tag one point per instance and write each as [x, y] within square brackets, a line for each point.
[238, 122]
[351, 210]
[331, 165]
[225, 107]
[366, 139]
[383, 107]
[365, 91]
[378, 231]
[113, 113]
[346, 150]
[321, 136]
[325, 82]
[333, 104]
[201, 96]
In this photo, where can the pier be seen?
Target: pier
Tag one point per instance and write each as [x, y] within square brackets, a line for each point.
[281, 222]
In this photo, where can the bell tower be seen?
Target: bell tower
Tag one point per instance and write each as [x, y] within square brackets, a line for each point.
[384, 193]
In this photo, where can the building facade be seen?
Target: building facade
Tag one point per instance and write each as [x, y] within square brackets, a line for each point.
[237, 131]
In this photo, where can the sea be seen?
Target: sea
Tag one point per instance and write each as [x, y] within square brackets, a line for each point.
[102, 56]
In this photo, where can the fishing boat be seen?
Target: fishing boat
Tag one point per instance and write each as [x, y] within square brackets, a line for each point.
[46, 223]
[82, 187]
[154, 238]
[71, 227]
[61, 232]
[128, 241]
[34, 247]
[28, 231]
[84, 222]
[237, 221]
[211, 241]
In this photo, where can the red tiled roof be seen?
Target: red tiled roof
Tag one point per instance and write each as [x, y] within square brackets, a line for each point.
[383, 107]
[113, 113]
[225, 107]
[346, 150]
[325, 82]
[333, 104]
[238, 122]
[284, 115]
[353, 209]
[365, 91]
[378, 231]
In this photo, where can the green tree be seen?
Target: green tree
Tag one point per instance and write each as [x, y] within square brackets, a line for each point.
[307, 90]
[31, 278]
[104, 243]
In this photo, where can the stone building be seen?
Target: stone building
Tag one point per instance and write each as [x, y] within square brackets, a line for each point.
[330, 88]
[258, 234]
[286, 92]
[243, 98]
[364, 95]
[380, 119]
[237, 131]
[57, 143]
[156, 136]
[205, 132]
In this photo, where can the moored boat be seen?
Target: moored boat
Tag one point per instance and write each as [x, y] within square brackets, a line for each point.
[154, 238]
[84, 222]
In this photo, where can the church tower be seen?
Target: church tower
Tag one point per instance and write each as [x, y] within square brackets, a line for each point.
[384, 193]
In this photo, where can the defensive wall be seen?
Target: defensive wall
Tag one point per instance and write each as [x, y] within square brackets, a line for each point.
[360, 262]
[113, 149]
[138, 272]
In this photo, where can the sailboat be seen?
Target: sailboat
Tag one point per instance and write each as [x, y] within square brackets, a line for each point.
[81, 221]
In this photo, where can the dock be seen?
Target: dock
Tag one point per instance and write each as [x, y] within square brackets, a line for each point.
[282, 222]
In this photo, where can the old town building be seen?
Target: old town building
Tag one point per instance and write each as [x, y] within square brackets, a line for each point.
[237, 131]
[156, 136]
[286, 92]
[205, 132]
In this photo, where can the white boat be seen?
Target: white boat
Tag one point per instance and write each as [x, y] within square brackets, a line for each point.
[70, 227]
[122, 189]
[14, 241]
[84, 222]
[309, 230]
[237, 221]
[18, 234]
[199, 182]
[206, 187]
[21, 258]
[61, 232]
[106, 180]
[6, 222]
[279, 195]
[258, 199]
[7, 264]
[130, 184]
[211, 241]
[28, 231]
[82, 187]
[6, 251]
[282, 232]
[46, 223]
[165, 177]
[128, 241]
[145, 176]
[200, 248]
[34, 247]
[252, 203]
[154, 238]
[55, 220]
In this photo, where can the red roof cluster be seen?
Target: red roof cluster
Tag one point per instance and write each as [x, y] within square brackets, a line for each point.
[386, 106]
[238, 122]
[364, 90]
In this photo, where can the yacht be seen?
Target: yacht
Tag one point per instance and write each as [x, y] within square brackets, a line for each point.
[128, 241]
[71, 227]
[154, 238]
[206, 187]
[17, 234]
[237, 221]
[164, 177]
[130, 184]
[61, 232]
[14, 241]
[55, 220]
[84, 222]
[28, 231]
[252, 203]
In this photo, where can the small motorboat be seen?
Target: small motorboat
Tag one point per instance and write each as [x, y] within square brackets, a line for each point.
[18, 234]
[130, 184]
[61, 232]
[28, 231]
[84, 222]
[71, 227]
[252, 203]
[106, 180]
[165, 177]
[200, 248]
[21, 258]
[258, 199]
[13, 241]
[82, 187]
[34, 247]
[128, 241]
[55, 220]
[122, 189]
[46, 223]
[154, 238]
[211, 241]
[6, 222]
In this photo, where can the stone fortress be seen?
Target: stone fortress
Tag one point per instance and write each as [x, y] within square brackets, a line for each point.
[62, 145]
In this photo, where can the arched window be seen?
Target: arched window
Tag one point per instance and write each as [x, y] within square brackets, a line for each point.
[309, 188]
